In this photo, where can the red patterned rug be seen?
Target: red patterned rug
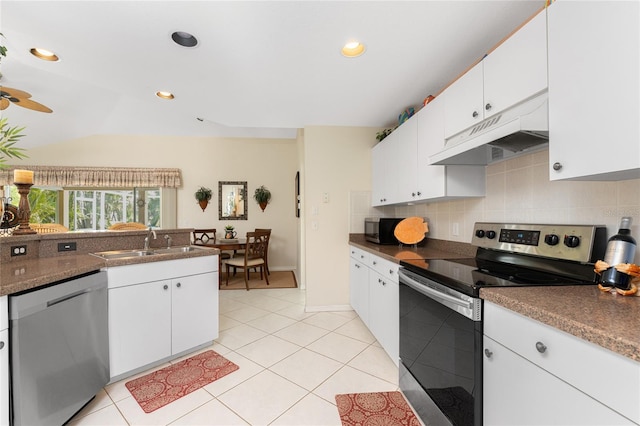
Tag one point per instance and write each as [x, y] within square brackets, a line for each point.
[375, 409]
[157, 389]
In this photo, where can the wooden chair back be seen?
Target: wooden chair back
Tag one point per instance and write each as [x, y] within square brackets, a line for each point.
[204, 236]
[257, 244]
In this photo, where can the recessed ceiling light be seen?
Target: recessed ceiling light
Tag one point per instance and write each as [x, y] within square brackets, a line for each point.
[165, 95]
[44, 54]
[184, 39]
[353, 49]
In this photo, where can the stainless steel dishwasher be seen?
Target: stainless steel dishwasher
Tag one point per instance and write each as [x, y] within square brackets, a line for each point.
[59, 349]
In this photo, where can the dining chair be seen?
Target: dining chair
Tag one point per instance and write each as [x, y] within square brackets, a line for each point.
[254, 256]
[127, 226]
[240, 253]
[266, 252]
[203, 236]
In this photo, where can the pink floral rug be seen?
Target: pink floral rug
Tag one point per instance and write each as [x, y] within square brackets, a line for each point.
[157, 389]
[375, 409]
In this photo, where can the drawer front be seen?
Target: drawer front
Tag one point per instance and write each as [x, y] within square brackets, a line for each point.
[605, 375]
[154, 271]
[359, 254]
[387, 269]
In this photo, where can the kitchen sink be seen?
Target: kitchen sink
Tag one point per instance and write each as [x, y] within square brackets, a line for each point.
[124, 254]
[183, 249]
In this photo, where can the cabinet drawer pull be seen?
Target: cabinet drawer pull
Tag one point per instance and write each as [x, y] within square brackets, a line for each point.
[375, 263]
[357, 266]
[178, 285]
[541, 347]
[390, 271]
[1, 345]
[419, 193]
[475, 114]
[557, 166]
[487, 107]
[166, 287]
[488, 353]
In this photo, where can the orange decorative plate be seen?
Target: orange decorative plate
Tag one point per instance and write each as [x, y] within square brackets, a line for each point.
[411, 230]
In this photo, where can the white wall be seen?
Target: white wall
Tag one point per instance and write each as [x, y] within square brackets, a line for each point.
[337, 160]
[204, 162]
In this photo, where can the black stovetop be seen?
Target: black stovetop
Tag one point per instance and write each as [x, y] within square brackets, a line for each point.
[489, 269]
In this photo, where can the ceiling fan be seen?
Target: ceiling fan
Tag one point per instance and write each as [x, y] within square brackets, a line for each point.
[20, 98]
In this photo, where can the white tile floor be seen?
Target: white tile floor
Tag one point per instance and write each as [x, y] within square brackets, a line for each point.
[292, 364]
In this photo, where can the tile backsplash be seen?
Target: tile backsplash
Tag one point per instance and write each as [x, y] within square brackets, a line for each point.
[519, 190]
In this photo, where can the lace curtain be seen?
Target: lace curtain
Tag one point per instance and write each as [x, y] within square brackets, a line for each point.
[102, 177]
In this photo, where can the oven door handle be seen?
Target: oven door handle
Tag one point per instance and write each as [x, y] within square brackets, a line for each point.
[434, 294]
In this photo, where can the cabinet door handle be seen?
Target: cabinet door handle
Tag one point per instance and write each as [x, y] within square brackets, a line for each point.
[419, 193]
[375, 263]
[487, 107]
[390, 271]
[1, 345]
[413, 194]
[166, 287]
[178, 285]
[488, 353]
[557, 166]
[541, 347]
[357, 266]
[475, 114]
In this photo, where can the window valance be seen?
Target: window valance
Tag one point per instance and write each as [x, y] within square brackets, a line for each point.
[104, 177]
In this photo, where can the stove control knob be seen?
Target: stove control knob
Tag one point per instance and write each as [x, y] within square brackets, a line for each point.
[480, 233]
[571, 241]
[551, 239]
[491, 235]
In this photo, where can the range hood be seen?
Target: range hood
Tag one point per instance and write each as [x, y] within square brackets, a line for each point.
[522, 129]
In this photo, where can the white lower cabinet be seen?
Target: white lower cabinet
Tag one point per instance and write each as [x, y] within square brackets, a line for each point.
[359, 283]
[153, 319]
[535, 374]
[374, 292]
[4, 361]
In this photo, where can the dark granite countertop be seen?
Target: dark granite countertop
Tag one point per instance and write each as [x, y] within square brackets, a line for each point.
[605, 319]
[431, 249]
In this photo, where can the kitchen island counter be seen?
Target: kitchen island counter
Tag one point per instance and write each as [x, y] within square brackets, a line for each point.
[608, 320]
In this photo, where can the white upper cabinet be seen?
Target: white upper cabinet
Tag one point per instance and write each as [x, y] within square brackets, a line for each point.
[594, 102]
[405, 166]
[515, 71]
[439, 182]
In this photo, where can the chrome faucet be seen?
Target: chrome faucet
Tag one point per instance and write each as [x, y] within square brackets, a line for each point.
[168, 238]
[146, 239]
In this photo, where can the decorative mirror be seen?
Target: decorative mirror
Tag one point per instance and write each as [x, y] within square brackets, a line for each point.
[232, 200]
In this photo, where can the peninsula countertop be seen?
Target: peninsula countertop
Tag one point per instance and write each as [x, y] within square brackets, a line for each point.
[27, 274]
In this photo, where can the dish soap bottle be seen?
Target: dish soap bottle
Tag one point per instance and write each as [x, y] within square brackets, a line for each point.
[621, 248]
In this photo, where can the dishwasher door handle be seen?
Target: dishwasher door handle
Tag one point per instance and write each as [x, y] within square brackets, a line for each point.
[68, 297]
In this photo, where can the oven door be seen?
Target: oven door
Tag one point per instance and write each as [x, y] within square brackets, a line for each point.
[440, 351]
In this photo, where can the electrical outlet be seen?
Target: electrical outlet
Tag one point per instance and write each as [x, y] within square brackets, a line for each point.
[67, 246]
[18, 250]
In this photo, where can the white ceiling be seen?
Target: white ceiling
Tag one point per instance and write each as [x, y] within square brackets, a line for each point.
[261, 69]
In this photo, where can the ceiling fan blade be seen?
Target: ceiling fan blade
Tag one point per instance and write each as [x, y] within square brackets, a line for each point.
[4, 103]
[28, 103]
[15, 92]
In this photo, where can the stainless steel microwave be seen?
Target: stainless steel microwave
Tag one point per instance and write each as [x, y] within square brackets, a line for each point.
[379, 230]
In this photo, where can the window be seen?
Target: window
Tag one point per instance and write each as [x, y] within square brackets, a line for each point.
[83, 209]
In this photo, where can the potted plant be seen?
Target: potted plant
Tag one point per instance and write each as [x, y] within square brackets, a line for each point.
[229, 232]
[262, 196]
[203, 195]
